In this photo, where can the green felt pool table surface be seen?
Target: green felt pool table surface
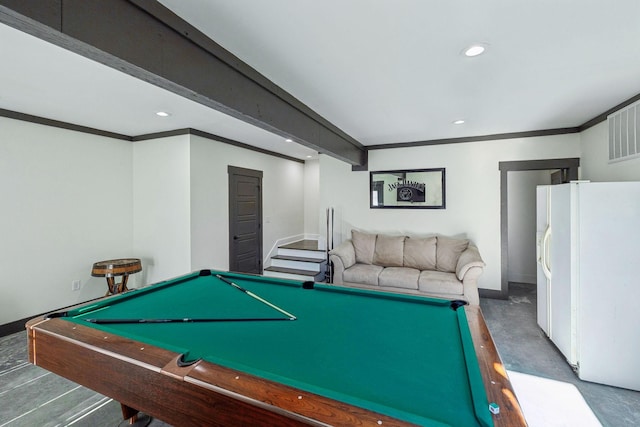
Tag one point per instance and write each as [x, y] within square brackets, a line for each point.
[406, 357]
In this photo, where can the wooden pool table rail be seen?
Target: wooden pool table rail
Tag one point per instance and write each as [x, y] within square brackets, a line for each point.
[494, 374]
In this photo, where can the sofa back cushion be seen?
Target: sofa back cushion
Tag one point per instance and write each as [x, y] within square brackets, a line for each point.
[364, 245]
[448, 251]
[420, 253]
[389, 250]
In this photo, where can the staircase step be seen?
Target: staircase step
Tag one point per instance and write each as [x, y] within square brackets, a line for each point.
[301, 260]
[314, 265]
[293, 273]
[304, 249]
[298, 258]
[305, 253]
[308, 245]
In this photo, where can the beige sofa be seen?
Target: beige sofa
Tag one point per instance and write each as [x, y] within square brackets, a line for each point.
[436, 266]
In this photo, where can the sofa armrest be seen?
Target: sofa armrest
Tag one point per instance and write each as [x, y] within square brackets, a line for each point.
[346, 252]
[342, 257]
[468, 259]
[470, 266]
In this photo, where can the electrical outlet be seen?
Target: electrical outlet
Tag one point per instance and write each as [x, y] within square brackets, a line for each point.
[75, 285]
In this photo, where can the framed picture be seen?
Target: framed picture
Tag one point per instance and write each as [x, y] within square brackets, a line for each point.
[408, 189]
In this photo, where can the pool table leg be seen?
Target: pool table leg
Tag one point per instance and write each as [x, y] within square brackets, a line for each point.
[133, 417]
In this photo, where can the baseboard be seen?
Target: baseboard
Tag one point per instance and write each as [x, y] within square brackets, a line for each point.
[14, 327]
[492, 293]
[523, 278]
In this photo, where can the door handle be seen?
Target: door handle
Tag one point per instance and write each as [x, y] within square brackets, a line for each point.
[546, 246]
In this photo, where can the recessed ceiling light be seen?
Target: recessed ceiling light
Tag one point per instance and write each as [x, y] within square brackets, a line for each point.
[308, 157]
[162, 114]
[474, 50]
[289, 140]
[458, 122]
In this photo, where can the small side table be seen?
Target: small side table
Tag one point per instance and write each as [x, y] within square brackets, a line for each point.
[116, 267]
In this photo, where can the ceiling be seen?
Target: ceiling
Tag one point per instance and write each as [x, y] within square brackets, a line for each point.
[384, 72]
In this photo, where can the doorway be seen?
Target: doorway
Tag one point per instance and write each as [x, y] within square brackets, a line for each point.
[245, 220]
[568, 168]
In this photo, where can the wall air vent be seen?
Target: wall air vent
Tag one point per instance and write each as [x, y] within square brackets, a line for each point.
[624, 133]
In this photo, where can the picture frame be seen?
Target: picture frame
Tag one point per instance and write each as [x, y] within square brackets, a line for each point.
[407, 189]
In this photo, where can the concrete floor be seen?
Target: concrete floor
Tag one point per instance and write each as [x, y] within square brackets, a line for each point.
[524, 348]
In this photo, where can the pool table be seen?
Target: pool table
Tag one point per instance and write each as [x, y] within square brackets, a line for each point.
[220, 348]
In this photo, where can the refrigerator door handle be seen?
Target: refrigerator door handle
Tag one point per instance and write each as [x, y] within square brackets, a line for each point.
[545, 246]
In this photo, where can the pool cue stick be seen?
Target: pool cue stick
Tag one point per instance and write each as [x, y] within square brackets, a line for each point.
[327, 275]
[182, 320]
[251, 294]
[333, 213]
[332, 235]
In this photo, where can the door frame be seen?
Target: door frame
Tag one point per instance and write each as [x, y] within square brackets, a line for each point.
[570, 164]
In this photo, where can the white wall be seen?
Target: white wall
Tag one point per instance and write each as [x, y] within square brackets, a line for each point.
[311, 201]
[282, 199]
[161, 214]
[66, 202]
[70, 199]
[522, 223]
[472, 191]
[594, 164]
[181, 209]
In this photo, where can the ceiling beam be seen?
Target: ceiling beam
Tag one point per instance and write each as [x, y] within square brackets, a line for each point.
[144, 39]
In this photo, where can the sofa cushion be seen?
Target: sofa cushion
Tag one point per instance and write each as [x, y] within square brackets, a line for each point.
[364, 245]
[448, 251]
[389, 250]
[440, 282]
[362, 273]
[399, 277]
[420, 253]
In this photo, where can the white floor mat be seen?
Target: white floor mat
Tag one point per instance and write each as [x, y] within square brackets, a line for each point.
[550, 403]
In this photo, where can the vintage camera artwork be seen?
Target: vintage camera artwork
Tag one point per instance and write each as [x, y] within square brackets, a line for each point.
[407, 189]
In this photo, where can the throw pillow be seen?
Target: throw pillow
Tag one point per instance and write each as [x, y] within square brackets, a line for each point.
[448, 251]
[420, 253]
[389, 251]
[364, 245]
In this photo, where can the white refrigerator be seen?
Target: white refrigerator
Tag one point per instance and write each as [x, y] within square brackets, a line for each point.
[588, 250]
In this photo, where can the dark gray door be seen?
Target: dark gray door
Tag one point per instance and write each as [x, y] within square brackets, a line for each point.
[245, 220]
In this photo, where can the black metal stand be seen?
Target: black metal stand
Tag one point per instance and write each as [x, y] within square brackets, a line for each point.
[330, 219]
